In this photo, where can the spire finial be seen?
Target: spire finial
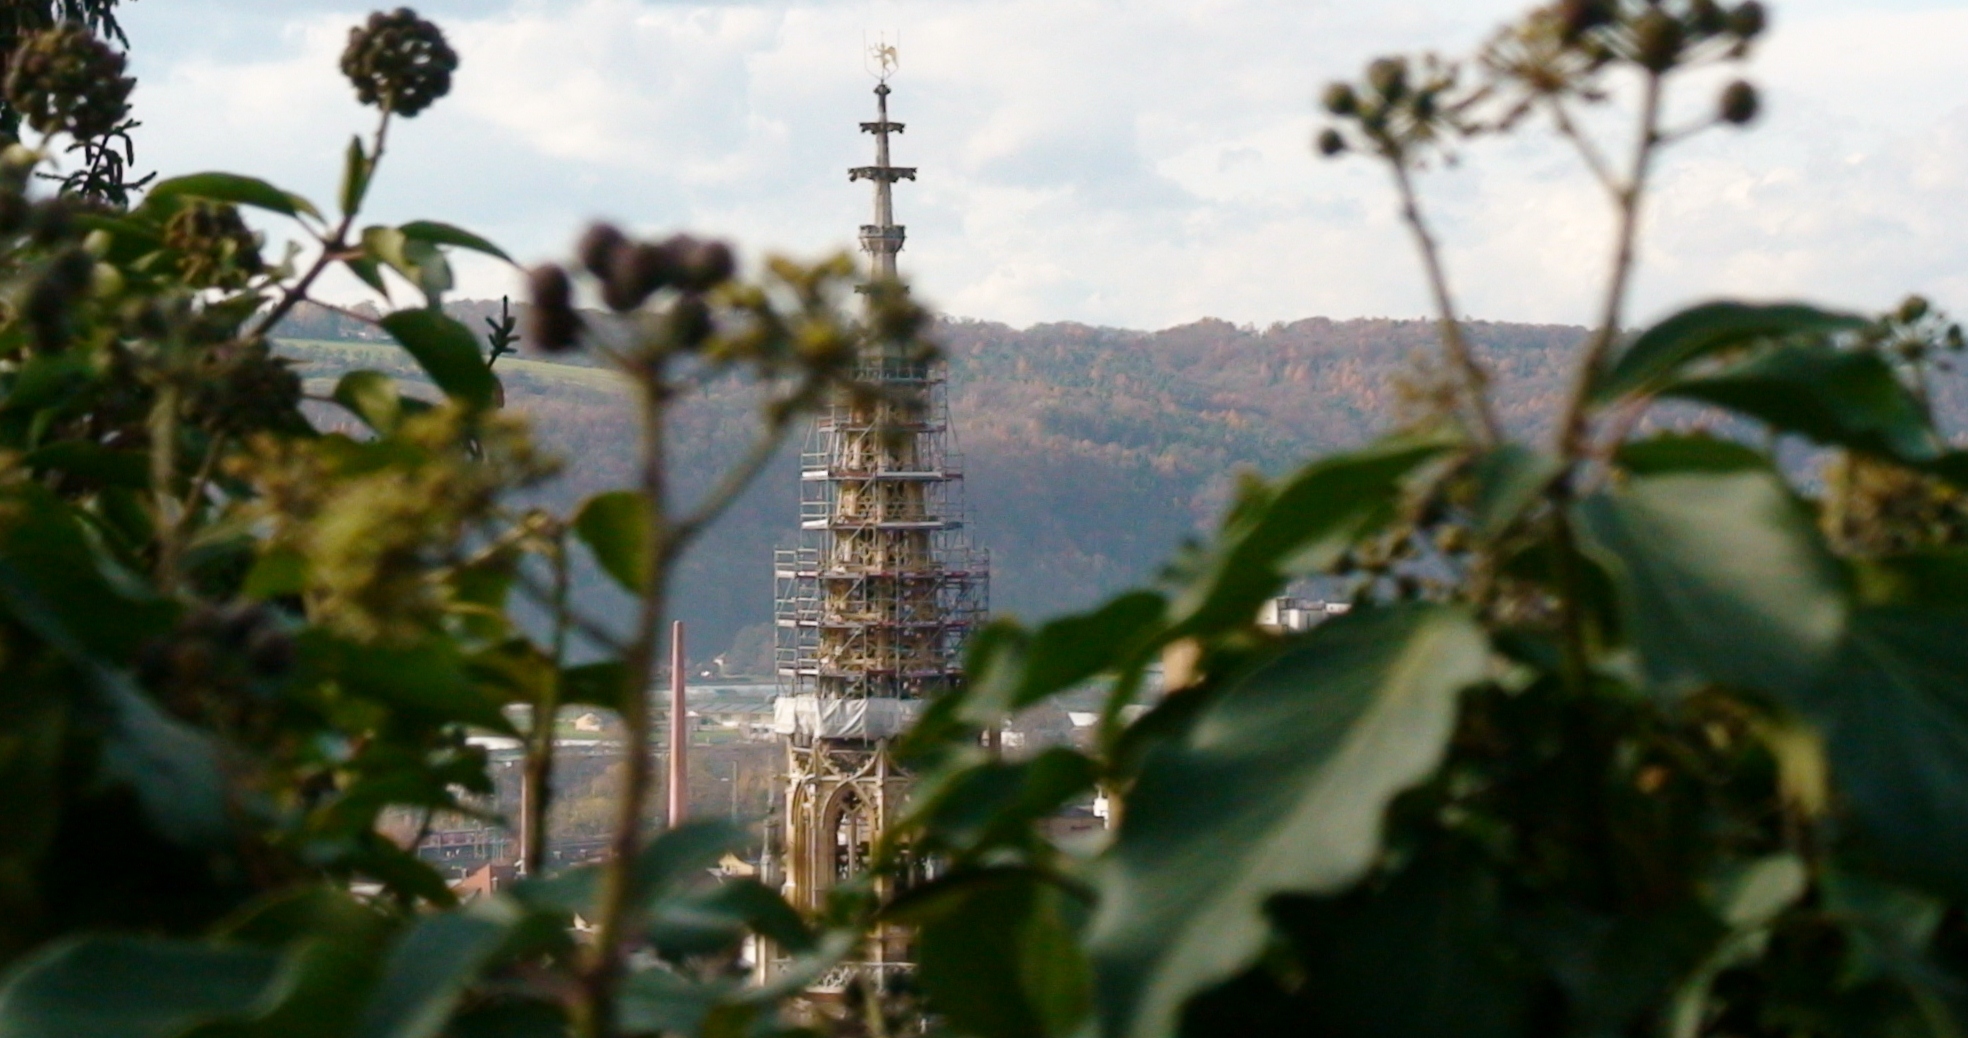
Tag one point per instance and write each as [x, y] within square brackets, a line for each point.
[884, 58]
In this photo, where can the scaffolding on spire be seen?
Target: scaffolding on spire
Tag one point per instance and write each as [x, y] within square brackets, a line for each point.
[875, 605]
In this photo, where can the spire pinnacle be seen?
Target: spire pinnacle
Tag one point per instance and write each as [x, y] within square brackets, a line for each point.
[883, 238]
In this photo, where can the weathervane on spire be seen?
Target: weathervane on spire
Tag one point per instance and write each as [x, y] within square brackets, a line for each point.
[883, 57]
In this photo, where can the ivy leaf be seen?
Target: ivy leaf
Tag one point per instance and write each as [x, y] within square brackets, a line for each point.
[1313, 518]
[1844, 398]
[1720, 577]
[1702, 331]
[447, 351]
[276, 573]
[659, 1001]
[333, 946]
[426, 973]
[92, 461]
[427, 678]
[1894, 712]
[1403, 957]
[615, 527]
[1014, 670]
[369, 273]
[230, 187]
[127, 987]
[979, 806]
[355, 176]
[372, 397]
[1279, 787]
[595, 684]
[716, 919]
[445, 234]
[1688, 452]
[173, 768]
[1509, 480]
[999, 955]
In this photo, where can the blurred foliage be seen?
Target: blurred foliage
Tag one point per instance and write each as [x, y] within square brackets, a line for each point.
[1626, 731]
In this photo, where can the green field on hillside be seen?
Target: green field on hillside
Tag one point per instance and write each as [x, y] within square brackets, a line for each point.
[321, 359]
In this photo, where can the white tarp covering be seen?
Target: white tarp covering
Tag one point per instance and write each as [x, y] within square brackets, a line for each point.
[819, 718]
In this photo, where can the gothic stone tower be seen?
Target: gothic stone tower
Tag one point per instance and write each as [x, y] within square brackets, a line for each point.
[876, 603]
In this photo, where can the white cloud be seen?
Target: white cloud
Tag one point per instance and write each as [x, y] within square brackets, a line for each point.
[1138, 162]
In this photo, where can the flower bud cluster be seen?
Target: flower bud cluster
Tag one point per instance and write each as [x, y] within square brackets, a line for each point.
[65, 80]
[215, 248]
[1400, 109]
[208, 667]
[242, 386]
[629, 272]
[399, 62]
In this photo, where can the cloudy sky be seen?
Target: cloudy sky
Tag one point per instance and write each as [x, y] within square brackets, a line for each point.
[1130, 162]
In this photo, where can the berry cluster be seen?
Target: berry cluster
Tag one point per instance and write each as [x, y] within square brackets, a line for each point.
[64, 79]
[399, 62]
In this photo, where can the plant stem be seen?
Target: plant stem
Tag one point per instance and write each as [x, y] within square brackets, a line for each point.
[540, 755]
[615, 902]
[1572, 426]
[1470, 377]
[332, 247]
[163, 473]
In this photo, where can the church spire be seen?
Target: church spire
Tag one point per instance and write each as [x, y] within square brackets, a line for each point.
[882, 239]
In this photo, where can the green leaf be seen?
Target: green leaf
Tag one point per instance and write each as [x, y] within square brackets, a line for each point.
[419, 260]
[230, 187]
[1312, 519]
[276, 574]
[615, 527]
[445, 234]
[428, 970]
[92, 461]
[1720, 576]
[1509, 480]
[656, 1000]
[127, 987]
[1619, 972]
[1421, 955]
[986, 804]
[369, 272]
[428, 269]
[54, 582]
[1754, 892]
[1688, 452]
[1703, 331]
[510, 1018]
[427, 678]
[173, 768]
[677, 862]
[595, 684]
[45, 381]
[1843, 398]
[679, 858]
[355, 176]
[1936, 577]
[998, 954]
[1014, 671]
[1278, 787]
[333, 946]
[446, 351]
[1894, 713]
[716, 919]
[372, 397]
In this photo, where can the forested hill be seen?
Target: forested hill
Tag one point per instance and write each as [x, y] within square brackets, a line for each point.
[1089, 452]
